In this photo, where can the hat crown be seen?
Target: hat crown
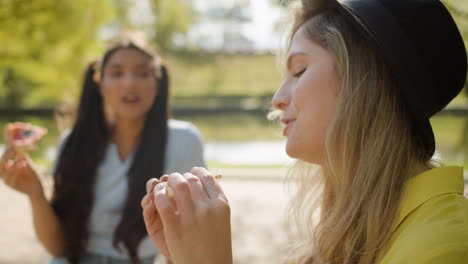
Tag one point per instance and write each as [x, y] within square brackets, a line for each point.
[428, 60]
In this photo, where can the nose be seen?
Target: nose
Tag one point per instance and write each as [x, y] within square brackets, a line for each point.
[129, 81]
[282, 98]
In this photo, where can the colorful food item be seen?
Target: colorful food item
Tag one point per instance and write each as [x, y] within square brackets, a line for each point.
[22, 137]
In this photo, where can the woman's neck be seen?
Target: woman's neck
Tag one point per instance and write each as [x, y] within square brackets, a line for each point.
[126, 136]
[419, 168]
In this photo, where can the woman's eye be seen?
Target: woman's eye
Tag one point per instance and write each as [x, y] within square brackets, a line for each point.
[299, 73]
[144, 74]
[115, 74]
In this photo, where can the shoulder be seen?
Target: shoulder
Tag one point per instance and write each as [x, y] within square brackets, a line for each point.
[183, 135]
[436, 232]
[184, 147]
[183, 130]
[442, 219]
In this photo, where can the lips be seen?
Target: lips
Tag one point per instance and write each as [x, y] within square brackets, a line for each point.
[130, 99]
[288, 124]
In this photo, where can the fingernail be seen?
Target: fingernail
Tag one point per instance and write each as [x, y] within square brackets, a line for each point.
[160, 186]
[163, 186]
[150, 185]
[164, 178]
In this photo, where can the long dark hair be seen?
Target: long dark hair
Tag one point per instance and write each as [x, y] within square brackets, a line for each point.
[83, 151]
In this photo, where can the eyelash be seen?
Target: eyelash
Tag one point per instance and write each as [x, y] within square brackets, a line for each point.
[298, 74]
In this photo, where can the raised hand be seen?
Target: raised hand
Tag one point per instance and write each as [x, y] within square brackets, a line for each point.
[193, 225]
[18, 173]
[22, 137]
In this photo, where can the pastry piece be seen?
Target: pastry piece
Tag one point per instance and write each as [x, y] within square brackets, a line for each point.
[22, 137]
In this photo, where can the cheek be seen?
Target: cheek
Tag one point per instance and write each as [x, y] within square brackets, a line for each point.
[149, 93]
[315, 107]
[308, 135]
[109, 93]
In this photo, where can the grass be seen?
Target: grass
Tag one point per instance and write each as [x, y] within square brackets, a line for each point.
[211, 74]
[239, 127]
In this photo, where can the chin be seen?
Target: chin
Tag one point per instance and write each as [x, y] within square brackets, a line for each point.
[292, 151]
[296, 153]
[132, 116]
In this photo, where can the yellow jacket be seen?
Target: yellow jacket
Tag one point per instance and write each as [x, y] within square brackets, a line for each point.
[432, 226]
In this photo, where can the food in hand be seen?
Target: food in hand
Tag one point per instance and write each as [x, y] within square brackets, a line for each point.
[22, 137]
[170, 193]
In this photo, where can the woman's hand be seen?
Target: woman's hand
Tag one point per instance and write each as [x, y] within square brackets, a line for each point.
[18, 173]
[153, 221]
[193, 226]
[7, 160]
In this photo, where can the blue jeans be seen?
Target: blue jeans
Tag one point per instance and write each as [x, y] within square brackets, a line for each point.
[98, 259]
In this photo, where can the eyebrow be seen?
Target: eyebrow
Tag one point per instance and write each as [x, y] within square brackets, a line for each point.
[292, 55]
[138, 66]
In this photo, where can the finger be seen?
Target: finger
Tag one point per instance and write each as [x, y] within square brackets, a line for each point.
[9, 153]
[7, 165]
[12, 178]
[196, 187]
[163, 205]
[146, 199]
[150, 215]
[217, 176]
[25, 157]
[9, 168]
[22, 167]
[164, 178]
[182, 193]
[150, 184]
[209, 182]
[7, 177]
[21, 164]
[170, 194]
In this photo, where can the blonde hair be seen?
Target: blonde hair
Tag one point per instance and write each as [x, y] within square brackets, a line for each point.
[370, 152]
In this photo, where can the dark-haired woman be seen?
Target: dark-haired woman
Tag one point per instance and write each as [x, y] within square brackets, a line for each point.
[121, 138]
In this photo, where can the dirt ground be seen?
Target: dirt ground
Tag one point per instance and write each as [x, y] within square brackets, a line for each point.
[257, 199]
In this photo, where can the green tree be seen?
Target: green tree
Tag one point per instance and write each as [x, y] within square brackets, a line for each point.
[172, 18]
[44, 45]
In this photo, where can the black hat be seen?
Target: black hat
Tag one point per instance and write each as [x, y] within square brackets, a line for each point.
[424, 50]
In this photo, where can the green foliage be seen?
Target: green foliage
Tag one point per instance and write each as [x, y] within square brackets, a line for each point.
[218, 74]
[44, 46]
[172, 17]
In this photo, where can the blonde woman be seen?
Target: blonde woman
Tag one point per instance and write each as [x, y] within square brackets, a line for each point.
[363, 77]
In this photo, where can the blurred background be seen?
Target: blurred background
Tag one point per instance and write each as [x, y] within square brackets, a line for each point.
[222, 57]
[222, 60]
